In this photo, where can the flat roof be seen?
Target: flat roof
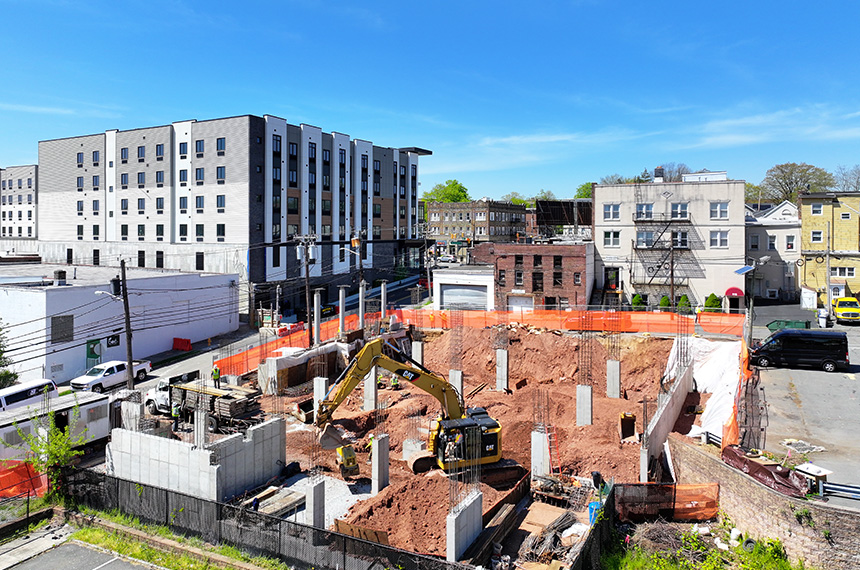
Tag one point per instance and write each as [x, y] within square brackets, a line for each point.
[42, 275]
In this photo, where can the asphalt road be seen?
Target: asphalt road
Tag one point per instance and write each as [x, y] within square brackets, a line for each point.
[76, 556]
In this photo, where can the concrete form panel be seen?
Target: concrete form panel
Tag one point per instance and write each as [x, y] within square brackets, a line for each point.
[463, 526]
[540, 454]
[418, 351]
[584, 415]
[455, 377]
[501, 369]
[379, 464]
[613, 379]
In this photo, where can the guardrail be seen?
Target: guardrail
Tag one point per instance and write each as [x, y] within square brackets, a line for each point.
[826, 488]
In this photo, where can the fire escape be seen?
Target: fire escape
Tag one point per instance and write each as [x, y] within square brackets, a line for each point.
[664, 259]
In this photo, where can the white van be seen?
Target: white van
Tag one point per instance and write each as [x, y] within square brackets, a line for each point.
[26, 394]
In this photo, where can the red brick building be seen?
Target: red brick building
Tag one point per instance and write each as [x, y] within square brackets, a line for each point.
[552, 276]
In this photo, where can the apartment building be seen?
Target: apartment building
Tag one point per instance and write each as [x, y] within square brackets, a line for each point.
[231, 195]
[773, 245]
[670, 238]
[456, 226]
[18, 204]
[830, 244]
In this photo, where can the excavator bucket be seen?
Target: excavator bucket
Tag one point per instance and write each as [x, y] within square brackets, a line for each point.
[329, 437]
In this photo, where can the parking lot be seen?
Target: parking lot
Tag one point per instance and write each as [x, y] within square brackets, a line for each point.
[817, 407]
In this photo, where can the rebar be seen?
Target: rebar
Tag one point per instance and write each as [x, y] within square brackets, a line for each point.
[455, 346]
[584, 375]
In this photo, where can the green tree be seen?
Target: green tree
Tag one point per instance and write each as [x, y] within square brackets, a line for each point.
[517, 198]
[664, 302]
[52, 447]
[583, 190]
[451, 191]
[7, 377]
[784, 181]
[637, 301]
[684, 302]
[713, 304]
[644, 177]
[545, 195]
[753, 193]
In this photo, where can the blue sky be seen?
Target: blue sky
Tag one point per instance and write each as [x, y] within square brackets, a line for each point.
[509, 96]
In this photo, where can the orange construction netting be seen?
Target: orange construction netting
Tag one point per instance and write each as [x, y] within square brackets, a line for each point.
[19, 478]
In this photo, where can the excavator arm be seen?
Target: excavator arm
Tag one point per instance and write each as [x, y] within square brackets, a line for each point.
[378, 352]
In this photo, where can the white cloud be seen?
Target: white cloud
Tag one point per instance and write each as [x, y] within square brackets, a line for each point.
[35, 109]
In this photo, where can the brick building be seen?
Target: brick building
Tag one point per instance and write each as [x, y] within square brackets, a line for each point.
[455, 226]
[552, 276]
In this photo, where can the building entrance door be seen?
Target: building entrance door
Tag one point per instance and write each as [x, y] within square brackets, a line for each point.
[611, 278]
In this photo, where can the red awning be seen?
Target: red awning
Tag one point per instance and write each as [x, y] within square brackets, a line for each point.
[734, 292]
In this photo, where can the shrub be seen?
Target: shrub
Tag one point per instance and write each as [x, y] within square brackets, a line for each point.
[684, 302]
[664, 302]
[637, 301]
[713, 303]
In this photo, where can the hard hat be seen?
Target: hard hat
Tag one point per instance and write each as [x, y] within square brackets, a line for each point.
[370, 435]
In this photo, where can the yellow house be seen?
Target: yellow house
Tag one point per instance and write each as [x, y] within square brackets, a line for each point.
[830, 244]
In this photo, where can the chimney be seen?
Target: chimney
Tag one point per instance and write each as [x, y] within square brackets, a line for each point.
[658, 174]
[59, 277]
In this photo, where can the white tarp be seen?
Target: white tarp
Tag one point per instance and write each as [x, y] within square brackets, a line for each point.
[716, 370]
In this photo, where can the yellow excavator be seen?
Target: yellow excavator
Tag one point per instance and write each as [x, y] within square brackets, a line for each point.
[459, 437]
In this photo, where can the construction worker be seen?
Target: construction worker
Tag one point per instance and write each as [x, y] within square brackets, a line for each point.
[174, 411]
[395, 383]
[216, 376]
[380, 382]
[369, 445]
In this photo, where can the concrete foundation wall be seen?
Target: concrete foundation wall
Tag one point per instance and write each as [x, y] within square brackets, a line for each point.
[661, 424]
[217, 473]
[463, 526]
[763, 513]
[540, 454]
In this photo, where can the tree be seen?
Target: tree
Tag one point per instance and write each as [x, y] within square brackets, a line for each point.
[643, 178]
[545, 195]
[583, 190]
[784, 181]
[848, 179]
[7, 377]
[753, 193]
[637, 301]
[52, 447]
[517, 198]
[613, 179]
[664, 302]
[684, 302]
[675, 172]
[713, 303]
[451, 191]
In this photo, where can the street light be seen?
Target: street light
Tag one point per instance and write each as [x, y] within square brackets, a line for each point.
[743, 271]
[360, 264]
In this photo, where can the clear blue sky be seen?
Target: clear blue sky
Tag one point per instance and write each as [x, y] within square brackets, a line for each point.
[509, 96]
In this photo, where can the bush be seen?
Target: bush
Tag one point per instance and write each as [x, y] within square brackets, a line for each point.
[637, 301]
[713, 303]
[664, 302]
[684, 302]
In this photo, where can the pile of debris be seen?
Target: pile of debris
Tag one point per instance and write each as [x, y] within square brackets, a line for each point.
[530, 329]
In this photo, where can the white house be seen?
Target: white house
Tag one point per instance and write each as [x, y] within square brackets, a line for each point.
[773, 245]
[58, 320]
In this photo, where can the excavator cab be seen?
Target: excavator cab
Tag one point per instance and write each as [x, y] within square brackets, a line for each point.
[346, 461]
[460, 442]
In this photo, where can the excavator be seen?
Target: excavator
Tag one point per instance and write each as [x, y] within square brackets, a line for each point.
[459, 437]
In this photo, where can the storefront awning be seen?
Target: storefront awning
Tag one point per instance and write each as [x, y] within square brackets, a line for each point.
[734, 292]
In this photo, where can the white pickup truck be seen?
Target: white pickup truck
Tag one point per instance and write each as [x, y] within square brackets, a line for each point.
[109, 375]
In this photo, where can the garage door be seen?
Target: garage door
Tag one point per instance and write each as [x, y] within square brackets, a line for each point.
[520, 303]
[471, 296]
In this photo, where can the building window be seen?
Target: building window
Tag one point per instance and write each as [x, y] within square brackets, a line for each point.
[817, 209]
[141, 153]
[557, 279]
[183, 231]
[377, 210]
[719, 210]
[294, 149]
[199, 202]
[612, 211]
[80, 207]
[123, 231]
[679, 211]
[183, 149]
[817, 236]
[96, 156]
[537, 281]
[679, 240]
[123, 154]
[95, 206]
[341, 155]
[771, 243]
[292, 205]
[221, 202]
[789, 242]
[199, 146]
[80, 159]
[644, 239]
[538, 261]
[326, 207]
[141, 258]
[518, 261]
[199, 260]
[402, 212]
[95, 182]
[612, 239]
[501, 277]
[843, 215]
[518, 278]
[141, 178]
[159, 177]
[141, 231]
[198, 231]
[141, 205]
[159, 152]
[183, 204]
[96, 253]
[123, 180]
[199, 175]
[159, 232]
[123, 205]
[221, 173]
[312, 150]
[80, 183]
[220, 231]
[577, 278]
[183, 176]
[159, 259]
[377, 232]
[221, 145]
[842, 272]
[276, 143]
[720, 238]
[294, 178]
[644, 211]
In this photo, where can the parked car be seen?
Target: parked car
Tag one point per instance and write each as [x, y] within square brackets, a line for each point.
[818, 348]
[447, 259]
[422, 282]
[109, 374]
[846, 310]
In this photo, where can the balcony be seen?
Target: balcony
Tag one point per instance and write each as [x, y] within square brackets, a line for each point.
[661, 218]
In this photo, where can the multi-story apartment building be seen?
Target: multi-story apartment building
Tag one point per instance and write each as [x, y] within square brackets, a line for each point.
[456, 226]
[231, 195]
[773, 246]
[537, 276]
[681, 238]
[830, 244]
[18, 203]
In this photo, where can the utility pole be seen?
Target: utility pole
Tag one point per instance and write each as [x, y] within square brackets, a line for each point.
[355, 242]
[306, 243]
[277, 315]
[129, 365]
[829, 296]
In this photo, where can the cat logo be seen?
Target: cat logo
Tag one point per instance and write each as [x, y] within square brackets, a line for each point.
[411, 376]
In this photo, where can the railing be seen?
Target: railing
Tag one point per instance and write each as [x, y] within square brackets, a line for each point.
[826, 488]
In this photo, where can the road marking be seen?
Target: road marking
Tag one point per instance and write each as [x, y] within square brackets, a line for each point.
[106, 563]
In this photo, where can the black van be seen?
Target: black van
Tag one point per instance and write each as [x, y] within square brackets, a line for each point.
[823, 349]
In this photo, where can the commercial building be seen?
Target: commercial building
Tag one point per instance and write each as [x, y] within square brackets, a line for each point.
[18, 204]
[229, 195]
[830, 244]
[539, 276]
[670, 239]
[60, 320]
[773, 246]
[456, 226]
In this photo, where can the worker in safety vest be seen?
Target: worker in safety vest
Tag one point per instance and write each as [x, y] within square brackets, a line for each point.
[216, 376]
[174, 411]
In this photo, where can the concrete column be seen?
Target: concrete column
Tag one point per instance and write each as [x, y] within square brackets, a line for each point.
[583, 405]
[361, 291]
[370, 391]
[463, 525]
[379, 464]
[315, 504]
[455, 378]
[383, 299]
[540, 454]
[418, 351]
[131, 414]
[613, 379]
[341, 314]
[317, 315]
[320, 390]
[201, 421]
[501, 369]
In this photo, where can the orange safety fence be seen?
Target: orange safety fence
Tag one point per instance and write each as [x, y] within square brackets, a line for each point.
[18, 478]
[731, 429]
[616, 321]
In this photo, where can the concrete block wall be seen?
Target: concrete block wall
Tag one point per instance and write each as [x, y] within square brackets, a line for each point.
[764, 513]
[249, 461]
[663, 422]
